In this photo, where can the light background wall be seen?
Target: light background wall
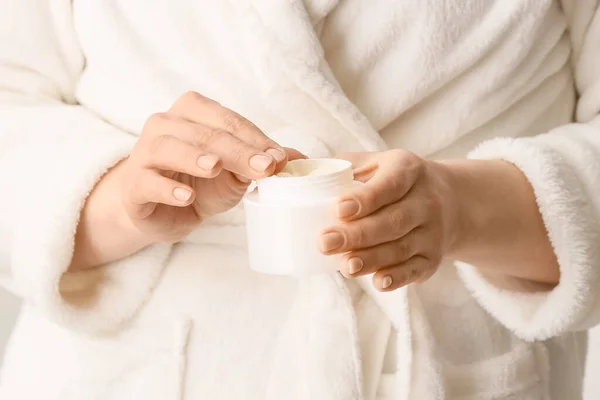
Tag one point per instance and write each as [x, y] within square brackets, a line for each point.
[9, 308]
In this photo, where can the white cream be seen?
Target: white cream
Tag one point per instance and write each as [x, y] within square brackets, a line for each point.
[300, 168]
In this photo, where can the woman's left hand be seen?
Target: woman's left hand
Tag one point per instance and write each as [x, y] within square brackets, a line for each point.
[398, 225]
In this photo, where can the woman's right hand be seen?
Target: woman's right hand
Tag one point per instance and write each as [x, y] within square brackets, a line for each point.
[191, 162]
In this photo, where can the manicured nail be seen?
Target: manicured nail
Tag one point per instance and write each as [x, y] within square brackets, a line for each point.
[260, 162]
[386, 282]
[278, 155]
[207, 162]
[182, 194]
[347, 208]
[355, 264]
[331, 241]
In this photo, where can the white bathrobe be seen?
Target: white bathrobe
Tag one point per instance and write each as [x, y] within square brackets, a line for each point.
[191, 321]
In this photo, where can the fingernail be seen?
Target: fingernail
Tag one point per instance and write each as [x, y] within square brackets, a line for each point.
[242, 179]
[386, 282]
[207, 162]
[355, 264]
[347, 208]
[260, 162]
[278, 155]
[331, 241]
[182, 194]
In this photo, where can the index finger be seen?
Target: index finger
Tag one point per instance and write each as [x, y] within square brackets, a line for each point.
[202, 110]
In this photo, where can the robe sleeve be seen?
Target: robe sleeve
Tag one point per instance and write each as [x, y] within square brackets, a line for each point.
[563, 167]
[52, 152]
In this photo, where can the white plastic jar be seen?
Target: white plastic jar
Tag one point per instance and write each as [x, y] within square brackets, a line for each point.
[287, 212]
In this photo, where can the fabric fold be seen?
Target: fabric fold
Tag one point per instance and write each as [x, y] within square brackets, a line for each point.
[317, 352]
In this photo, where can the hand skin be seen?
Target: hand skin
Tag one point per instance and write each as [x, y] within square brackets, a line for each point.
[412, 213]
[191, 162]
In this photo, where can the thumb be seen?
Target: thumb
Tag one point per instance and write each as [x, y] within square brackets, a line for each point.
[364, 164]
[292, 154]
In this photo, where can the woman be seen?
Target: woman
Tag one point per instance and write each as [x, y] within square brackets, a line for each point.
[120, 225]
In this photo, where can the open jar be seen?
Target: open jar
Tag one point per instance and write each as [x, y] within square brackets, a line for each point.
[288, 211]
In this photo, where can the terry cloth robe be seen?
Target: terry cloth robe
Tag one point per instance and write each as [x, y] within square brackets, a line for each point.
[489, 79]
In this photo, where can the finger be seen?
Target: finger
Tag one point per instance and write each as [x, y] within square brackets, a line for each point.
[385, 183]
[364, 164]
[169, 153]
[370, 260]
[237, 156]
[294, 154]
[388, 224]
[219, 117]
[200, 109]
[150, 188]
[394, 277]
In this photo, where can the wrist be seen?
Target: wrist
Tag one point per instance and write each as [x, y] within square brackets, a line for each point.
[499, 227]
[477, 192]
[105, 232]
[451, 183]
[486, 196]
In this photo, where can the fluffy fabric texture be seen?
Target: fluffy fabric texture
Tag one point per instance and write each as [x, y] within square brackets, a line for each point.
[60, 151]
[572, 224]
[563, 168]
[79, 79]
[319, 331]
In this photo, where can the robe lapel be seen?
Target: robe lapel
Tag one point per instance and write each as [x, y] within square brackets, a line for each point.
[295, 78]
[298, 85]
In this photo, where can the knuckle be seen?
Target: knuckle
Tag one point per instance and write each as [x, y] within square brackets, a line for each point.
[191, 96]
[158, 146]
[237, 153]
[156, 119]
[406, 160]
[398, 219]
[435, 260]
[419, 276]
[207, 138]
[413, 274]
[427, 270]
[401, 158]
[395, 183]
[235, 123]
[419, 168]
[356, 238]
[415, 167]
[397, 154]
[401, 250]
[189, 133]
[367, 200]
